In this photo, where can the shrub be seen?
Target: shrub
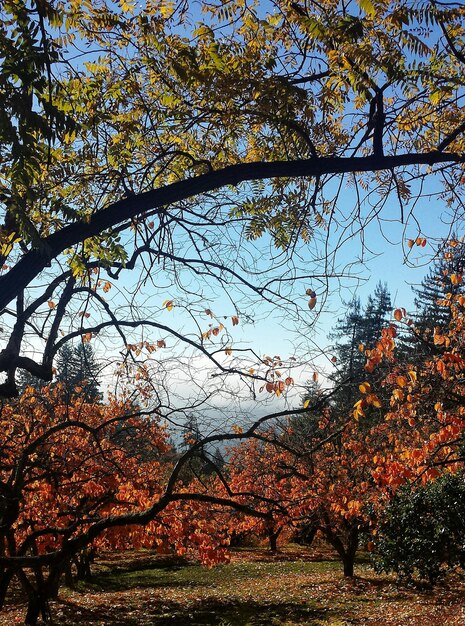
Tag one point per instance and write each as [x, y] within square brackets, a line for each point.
[422, 530]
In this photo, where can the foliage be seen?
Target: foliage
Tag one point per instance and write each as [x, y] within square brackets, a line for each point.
[67, 481]
[442, 283]
[421, 530]
[357, 331]
[120, 120]
[77, 368]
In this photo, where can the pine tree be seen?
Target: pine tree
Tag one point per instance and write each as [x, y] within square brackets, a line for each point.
[359, 327]
[443, 278]
[25, 379]
[78, 368]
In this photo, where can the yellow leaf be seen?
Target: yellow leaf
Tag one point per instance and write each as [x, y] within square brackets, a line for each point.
[168, 304]
[307, 403]
[365, 387]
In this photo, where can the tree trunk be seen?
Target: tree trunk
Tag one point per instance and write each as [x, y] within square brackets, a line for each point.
[53, 581]
[5, 580]
[347, 554]
[273, 539]
[69, 582]
[348, 563]
[37, 605]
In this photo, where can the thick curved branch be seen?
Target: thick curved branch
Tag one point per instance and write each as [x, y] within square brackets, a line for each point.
[35, 261]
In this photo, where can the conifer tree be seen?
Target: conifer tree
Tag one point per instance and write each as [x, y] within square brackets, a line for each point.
[78, 368]
[443, 281]
[359, 327]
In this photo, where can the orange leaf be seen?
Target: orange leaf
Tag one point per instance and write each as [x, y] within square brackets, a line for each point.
[398, 315]
[312, 303]
[51, 304]
[365, 387]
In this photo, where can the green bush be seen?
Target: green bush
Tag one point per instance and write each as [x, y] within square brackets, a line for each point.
[422, 531]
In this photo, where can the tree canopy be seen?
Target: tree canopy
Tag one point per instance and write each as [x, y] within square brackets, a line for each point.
[135, 135]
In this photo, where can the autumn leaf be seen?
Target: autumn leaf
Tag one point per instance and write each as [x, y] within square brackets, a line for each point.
[168, 304]
[235, 320]
[398, 314]
[365, 387]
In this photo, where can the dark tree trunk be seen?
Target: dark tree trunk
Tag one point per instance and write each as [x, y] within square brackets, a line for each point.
[348, 563]
[53, 581]
[5, 579]
[273, 539]
[348, 553]
[69, 582]
[37, 606]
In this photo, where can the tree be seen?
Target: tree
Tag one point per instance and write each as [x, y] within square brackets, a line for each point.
[421, 531]
[172, 145]
[442, 283]
[67, 483]
[359, 330]
[119, 152]
[77, 368]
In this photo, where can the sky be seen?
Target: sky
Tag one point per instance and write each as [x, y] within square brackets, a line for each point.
[358, 261]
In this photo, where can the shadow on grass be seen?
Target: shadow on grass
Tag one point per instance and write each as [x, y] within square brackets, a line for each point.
[206, 613]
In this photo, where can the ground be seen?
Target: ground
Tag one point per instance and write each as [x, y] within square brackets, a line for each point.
[295, 587]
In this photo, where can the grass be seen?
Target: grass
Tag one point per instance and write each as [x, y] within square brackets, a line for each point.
[294, 588]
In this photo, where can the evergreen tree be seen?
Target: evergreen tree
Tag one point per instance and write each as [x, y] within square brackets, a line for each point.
[444, 279]
[26, 379]
[359, 327]
[77, 367]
